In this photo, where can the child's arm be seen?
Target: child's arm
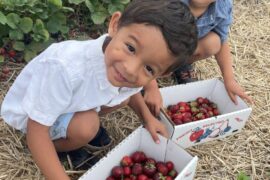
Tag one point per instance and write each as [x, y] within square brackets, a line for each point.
[43, 151]
[224, 61]
[153, 97]
[153, 125]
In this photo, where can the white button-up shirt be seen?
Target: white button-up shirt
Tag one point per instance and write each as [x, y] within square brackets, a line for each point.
[67, 77]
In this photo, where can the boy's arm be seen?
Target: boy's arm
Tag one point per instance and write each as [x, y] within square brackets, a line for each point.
[153, 125]
[153, 97]
[224, 61]
[43, 151]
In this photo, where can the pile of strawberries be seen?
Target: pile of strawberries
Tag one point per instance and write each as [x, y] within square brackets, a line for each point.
[140, 167]
[185, 112]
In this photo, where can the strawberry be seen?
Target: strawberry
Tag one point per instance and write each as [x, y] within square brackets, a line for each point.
[200, 100]
[127, 178]
[162, 169]
[127, 171]
[213, 105]
[182, 109]
[2, 51]
[149, 169]
[137, 169]
[138, 157]
[184, 104]
[206, 101]
[169, 165]
[150, 160]
[133, 177]
[158, 176]
[117, 172]
[5, 70]
[174, 108]
[215, 112]
[168, 178]
[126, 161]
[12, 53]
[177, 116]
[178, 121]
[173, 173]
[110, 178]
[142, 177]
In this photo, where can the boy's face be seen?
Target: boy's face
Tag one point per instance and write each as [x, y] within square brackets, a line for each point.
[136, 55]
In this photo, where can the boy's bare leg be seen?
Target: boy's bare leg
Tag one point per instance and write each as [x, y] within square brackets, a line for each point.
[207, 47]
[82, 128]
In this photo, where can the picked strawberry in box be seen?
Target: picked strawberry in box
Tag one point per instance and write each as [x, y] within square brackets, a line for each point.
[201, 111]
[139, 157]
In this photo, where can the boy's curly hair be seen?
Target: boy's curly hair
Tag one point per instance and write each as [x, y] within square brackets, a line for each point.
[174, 20]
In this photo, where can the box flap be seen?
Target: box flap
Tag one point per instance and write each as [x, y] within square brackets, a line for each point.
[177, 155]
[188, 172]
[150, 148]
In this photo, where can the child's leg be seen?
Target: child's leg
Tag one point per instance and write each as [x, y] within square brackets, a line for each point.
[207, 47]
[81, 129]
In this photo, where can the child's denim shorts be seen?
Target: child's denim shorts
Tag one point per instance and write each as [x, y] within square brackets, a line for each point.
[59, 128]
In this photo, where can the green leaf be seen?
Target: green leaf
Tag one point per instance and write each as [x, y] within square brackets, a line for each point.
[68, 9]
[16, 34]
[89, 5]
[26, 24]
[64, 29]
[29, 54]
[56, 22]
[3, 19]
[19, 46]
[124, 1]
[76, 1]
[242, 176]
[4, 30]
[115, 7]
[99, 17]
[12, 20]
[57, 3]
[2, 59]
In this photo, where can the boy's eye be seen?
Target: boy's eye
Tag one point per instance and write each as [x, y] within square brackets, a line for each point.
[149, 70]
[130, 48]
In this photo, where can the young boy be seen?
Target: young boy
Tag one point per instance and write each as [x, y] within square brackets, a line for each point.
[213, 18]
[58, 96]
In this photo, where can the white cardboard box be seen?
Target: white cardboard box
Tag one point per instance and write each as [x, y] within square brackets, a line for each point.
[232, 119]
[141, 140]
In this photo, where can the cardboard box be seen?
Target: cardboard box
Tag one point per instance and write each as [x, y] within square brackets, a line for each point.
[141, 140]
[232, 119]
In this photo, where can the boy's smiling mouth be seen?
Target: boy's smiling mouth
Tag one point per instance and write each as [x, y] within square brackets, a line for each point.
[119, 77]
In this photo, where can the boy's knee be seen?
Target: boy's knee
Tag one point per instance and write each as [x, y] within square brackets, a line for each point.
[209, 45]
[84, 126]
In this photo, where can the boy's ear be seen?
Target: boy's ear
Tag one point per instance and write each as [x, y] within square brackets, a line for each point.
[113, 25]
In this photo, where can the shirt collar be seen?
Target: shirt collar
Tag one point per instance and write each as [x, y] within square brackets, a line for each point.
[97, 63]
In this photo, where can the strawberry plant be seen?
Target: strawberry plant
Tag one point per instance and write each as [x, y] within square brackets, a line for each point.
[242, 176]
[26, 25]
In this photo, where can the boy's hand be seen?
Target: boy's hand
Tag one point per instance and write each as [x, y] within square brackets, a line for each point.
[154, 126]
[233, 89]
[153, 100]
[152, 97]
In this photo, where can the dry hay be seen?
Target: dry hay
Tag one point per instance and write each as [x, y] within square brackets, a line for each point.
[248, 151]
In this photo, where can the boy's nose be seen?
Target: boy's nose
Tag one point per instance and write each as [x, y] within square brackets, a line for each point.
[132, 68]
